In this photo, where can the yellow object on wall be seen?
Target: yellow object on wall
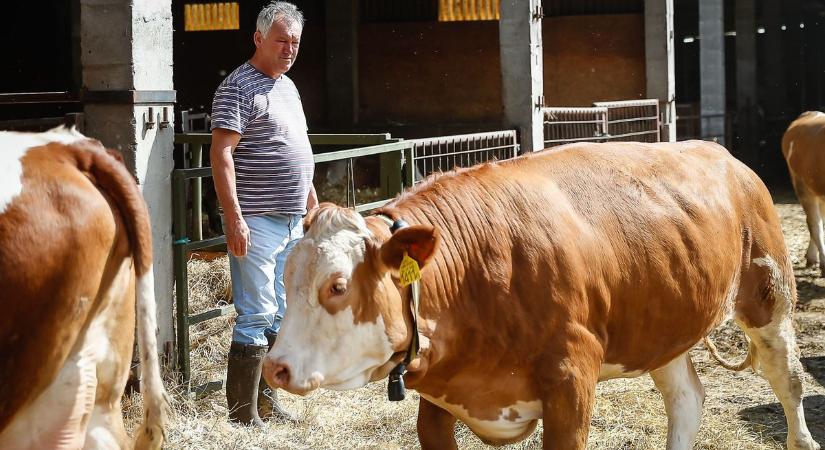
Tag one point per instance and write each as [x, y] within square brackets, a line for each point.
[211, 16]
[462, 10]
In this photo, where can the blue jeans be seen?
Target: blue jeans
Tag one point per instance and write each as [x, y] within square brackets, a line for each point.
[258, 277]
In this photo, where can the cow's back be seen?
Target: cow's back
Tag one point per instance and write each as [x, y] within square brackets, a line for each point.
[803, 146]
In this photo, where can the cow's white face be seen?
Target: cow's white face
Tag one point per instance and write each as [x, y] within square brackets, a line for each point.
[345, 317]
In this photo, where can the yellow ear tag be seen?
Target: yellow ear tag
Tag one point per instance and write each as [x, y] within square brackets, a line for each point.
[409, 271]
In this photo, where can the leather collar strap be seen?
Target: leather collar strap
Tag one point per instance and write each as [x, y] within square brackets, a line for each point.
[396, 390]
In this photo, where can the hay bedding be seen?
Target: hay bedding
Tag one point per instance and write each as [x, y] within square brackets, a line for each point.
[740, 410]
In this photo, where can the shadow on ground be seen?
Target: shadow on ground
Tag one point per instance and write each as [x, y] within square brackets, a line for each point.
[807, 291]
[815, 365]
[770, 420]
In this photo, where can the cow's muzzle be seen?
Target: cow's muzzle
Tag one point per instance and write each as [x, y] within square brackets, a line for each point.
[278, 375]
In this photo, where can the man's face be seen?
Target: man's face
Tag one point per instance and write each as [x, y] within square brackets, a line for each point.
[279, 47]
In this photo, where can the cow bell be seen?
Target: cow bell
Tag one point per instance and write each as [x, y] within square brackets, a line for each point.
[395, 387]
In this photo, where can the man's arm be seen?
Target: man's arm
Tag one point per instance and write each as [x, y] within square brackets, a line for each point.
[223, 175]
[312, 198]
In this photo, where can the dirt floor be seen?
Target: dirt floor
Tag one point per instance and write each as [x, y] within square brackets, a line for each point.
[740, 410]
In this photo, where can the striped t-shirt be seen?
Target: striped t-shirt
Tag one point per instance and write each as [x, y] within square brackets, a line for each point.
[273, 160]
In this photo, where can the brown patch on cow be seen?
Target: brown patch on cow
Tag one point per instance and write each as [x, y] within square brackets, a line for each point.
[332, 302]
[512, 415]
[63, 242]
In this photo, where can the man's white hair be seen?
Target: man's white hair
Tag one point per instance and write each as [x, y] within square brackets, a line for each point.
[278, 12]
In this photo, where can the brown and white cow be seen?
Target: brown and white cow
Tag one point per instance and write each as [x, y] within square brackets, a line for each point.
[75, 251]
[803, 146]
[543, 275]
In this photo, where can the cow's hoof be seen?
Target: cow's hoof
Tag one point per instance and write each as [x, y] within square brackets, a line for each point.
[803, 443]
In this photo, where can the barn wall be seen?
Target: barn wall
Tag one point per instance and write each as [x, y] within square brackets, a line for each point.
[593, 58]
[430, 72]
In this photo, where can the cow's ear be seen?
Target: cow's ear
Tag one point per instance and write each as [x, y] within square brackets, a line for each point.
[417, 241]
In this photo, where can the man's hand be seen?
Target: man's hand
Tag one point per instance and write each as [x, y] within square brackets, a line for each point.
[237, 236]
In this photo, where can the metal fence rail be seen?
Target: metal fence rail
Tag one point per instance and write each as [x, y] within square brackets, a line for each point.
[565, 125]
[632, 120]
[628, 120]
[443, 153]
[395, 175]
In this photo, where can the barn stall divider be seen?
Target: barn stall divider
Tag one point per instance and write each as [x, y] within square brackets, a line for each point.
[625, 120]
[402, 164]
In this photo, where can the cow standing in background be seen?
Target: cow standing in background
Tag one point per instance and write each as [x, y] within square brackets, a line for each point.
[543, 275]
[75, 251]
[803, 146]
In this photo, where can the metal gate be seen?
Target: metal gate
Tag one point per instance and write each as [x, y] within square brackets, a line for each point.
[629, 120]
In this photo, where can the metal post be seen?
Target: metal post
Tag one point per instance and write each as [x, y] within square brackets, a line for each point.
[197, 194]
[409, 163]
[181, 277]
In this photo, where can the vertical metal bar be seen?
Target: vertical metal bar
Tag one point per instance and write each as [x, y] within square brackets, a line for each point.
[197, 195]
[409, 155]
[426, 160]
[391, 177]
[181, 277]
[350, 183]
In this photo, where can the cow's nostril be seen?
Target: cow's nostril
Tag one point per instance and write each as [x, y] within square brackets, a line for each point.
[282, 374]
[276, 373]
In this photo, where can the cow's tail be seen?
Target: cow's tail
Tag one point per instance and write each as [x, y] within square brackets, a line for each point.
[113, 178]
[155, 403]
[747, 362]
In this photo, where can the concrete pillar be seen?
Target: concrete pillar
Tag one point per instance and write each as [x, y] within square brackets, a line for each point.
[712, 70]
[342, 63]
[522, 73]
[659, 62]
[746, 100]
[126, 56]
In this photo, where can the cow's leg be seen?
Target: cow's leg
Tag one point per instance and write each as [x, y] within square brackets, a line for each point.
[683, 395]
[435, 427]
[569, 391]
[775, 341]
[813, 215]
[818, 236]
[106, 430]
[776, 355]
[109, 343]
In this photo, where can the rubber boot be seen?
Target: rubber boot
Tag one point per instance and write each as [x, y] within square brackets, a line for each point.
[268, 406]
[242, 374]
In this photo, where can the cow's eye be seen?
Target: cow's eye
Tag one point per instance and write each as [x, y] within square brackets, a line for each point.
[339, 286]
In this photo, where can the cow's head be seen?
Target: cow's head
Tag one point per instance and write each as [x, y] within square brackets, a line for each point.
[348, 320]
